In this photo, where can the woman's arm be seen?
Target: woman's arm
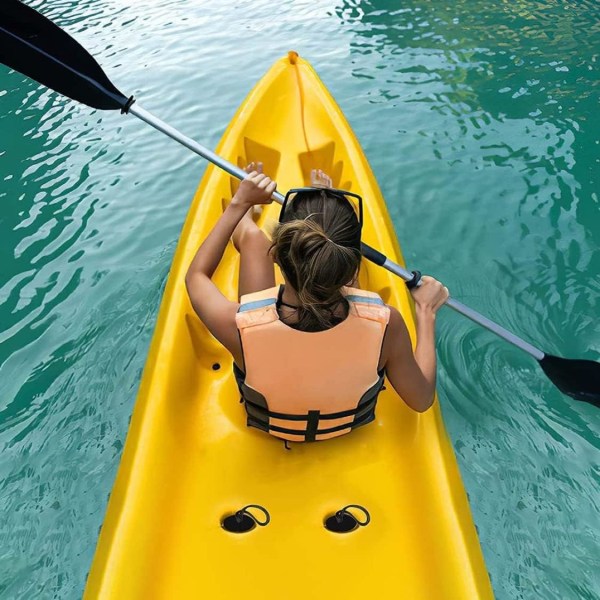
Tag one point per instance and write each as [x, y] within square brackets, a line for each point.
[413, 375]
[214, 310]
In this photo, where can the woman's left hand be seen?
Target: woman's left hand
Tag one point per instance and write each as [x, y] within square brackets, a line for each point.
[256, 188]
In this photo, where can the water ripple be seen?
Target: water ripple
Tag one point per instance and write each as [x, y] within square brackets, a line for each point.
[478, 119]
[496, 161]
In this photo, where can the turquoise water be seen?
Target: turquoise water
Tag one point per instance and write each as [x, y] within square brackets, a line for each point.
[480, 121]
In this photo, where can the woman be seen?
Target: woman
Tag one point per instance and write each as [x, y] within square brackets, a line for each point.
[310, 356]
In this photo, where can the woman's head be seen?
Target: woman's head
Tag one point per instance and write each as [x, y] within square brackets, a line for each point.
[318, 250]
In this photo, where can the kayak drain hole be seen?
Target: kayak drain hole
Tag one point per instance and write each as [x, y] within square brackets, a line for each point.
[238, 524]
[216, 366]
[243, 520]
[343, 521]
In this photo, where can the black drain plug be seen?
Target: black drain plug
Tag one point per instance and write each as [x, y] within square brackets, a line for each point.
[243, 520]
[343, 521]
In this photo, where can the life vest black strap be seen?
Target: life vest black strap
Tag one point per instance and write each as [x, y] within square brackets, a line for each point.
[312, 426]
[365, 415]
[259, 424]
[359, 410]
[259, 415]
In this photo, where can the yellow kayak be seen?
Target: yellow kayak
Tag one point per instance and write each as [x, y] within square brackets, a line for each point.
[189, 459]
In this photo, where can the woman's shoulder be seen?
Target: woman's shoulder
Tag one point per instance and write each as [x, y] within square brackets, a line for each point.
[396, 318]
[368, 305]
[396, 336]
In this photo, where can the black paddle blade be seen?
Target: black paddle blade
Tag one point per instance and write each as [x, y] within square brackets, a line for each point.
[579, 379]
[36, 47]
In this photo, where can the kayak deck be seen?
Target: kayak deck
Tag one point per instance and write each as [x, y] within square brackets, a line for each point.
[189, 458]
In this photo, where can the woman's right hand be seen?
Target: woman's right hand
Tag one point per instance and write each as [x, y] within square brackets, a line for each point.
[256, 188]
[430, 295]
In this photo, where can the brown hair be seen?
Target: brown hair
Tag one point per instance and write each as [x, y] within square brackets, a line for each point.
[318, 250]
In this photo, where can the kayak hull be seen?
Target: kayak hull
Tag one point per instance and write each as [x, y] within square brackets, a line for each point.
[189, 458]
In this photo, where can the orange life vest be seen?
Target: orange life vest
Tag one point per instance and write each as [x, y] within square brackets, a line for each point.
[310, 386]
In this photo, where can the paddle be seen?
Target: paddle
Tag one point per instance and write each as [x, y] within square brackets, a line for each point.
[36, 47]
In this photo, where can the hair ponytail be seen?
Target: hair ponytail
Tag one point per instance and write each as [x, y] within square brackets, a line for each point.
[319, 252]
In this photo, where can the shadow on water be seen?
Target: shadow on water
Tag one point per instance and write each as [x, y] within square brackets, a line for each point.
[492, 108]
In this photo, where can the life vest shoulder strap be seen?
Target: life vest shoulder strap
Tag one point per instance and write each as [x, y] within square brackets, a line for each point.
[368, 305]
[257, 308]
[260, 308]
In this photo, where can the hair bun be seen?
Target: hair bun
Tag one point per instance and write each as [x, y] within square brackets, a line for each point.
[318, 255]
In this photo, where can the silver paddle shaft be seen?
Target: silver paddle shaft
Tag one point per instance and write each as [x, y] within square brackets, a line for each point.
[194, 146]
[390, 265]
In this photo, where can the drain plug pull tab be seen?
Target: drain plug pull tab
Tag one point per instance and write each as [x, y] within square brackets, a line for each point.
[243, 520]
[343, 521]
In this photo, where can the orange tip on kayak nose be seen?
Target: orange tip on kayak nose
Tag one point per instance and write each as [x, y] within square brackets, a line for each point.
[293, 56]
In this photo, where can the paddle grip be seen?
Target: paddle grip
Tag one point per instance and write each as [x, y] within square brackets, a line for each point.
[373, 255]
